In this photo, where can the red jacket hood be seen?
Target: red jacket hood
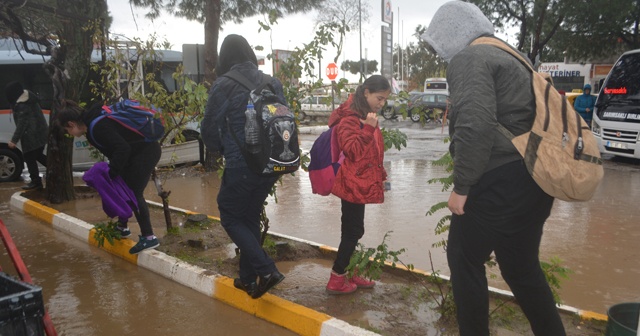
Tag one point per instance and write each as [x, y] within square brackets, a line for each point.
[344, 110]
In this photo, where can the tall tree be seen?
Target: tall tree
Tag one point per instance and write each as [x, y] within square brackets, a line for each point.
[418, 62]
[349, 14]
[63, 29]
[537, 21]
[599, 29]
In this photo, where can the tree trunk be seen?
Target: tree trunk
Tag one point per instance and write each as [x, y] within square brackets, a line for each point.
[69, 68]
[211, 34]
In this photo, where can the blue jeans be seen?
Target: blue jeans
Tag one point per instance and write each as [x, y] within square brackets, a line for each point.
[504, 213]
[240, 202]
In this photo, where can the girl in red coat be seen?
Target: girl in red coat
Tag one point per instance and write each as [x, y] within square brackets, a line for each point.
[360, 179]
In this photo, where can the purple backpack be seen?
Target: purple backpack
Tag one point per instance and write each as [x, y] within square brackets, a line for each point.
[326, 158]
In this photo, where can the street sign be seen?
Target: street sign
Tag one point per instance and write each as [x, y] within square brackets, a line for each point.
[332, 71]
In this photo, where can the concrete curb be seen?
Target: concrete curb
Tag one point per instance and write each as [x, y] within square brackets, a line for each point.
[292, 316]
[297, 318]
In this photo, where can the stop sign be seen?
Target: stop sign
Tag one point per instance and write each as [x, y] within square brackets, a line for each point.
[332, 71]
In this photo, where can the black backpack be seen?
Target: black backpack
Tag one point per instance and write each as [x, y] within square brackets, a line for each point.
[279, 148]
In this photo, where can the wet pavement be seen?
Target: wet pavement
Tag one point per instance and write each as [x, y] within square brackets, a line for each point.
[598, 240]
[90, 292]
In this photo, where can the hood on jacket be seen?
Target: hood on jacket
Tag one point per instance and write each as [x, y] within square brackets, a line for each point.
[454, 26]
[344, 110]
[585, 88]
[13, 91]
[234, 50]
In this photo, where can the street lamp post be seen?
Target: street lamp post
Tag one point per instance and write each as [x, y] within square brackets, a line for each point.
[360, 29]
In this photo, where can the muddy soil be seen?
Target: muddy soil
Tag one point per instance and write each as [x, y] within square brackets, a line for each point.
[400, 304]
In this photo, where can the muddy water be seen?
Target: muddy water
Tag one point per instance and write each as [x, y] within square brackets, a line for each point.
[89, 292]
[598, 240]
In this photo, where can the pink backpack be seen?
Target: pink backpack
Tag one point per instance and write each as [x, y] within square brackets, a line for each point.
[326, 158]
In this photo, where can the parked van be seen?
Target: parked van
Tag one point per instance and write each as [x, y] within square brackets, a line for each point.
[616, 117]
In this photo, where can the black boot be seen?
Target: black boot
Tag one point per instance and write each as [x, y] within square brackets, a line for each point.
[33, 185]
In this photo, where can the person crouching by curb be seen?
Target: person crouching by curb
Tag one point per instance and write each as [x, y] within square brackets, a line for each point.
[496, 205]
[242, 192]
[31, 130]
[130, 157]
[360, 179]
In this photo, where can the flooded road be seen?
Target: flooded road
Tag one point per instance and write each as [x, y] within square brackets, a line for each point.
[90, 292]
[598, 240]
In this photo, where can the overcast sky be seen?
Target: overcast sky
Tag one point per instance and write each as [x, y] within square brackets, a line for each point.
[290, 32]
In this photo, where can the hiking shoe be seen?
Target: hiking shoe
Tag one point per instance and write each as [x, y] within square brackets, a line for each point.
[266, 283]
[249, 288]
[144, 244]
[33, 185]
[340, 284]
[124, 232]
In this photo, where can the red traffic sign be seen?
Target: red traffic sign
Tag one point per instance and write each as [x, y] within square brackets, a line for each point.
[332, 71]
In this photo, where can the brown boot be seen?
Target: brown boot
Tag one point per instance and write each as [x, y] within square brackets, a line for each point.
[340, 284]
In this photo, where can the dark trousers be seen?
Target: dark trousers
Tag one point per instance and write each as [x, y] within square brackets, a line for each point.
[504, 213]
[352, 230]
[136, 175]
[240, 201]
[31, 159]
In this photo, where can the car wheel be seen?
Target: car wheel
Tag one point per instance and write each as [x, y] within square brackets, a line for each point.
[388, 113]
[415, 114]
[10, 165]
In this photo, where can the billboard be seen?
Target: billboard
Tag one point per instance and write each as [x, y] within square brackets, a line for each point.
[387, 13]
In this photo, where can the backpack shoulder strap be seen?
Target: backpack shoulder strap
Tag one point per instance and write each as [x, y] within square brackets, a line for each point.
[239, 78]
[501, 45]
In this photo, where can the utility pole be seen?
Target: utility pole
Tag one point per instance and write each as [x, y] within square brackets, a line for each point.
[399, 49]
[360, 28]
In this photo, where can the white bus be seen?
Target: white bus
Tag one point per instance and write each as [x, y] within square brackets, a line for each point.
[18, 65]
[616, 117]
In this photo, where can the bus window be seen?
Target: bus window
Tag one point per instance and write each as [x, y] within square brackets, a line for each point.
[436, 84]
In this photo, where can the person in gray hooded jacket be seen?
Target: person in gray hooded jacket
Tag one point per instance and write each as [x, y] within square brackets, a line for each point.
[496, 205]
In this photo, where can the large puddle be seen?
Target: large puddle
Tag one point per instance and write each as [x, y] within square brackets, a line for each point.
[598, 240]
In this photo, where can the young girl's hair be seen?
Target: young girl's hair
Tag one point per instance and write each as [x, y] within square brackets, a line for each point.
[70, 111]
[375, 83]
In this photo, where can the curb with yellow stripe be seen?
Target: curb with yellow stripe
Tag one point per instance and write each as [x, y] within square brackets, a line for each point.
[292, 316]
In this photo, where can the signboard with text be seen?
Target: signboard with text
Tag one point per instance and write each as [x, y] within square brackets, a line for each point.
[386, 64]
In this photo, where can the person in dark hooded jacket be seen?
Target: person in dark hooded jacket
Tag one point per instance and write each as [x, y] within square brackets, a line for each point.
[495, 203]
[360, 179]
[31, 130]
[242, 192]
[130, 157]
